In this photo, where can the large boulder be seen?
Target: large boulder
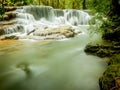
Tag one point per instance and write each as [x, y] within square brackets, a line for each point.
[102, 50]
[110, 80]
[59, 32]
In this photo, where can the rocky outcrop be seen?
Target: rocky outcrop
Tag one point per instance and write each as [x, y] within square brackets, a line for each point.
[54, 33]
[9, 38]
[112, 35]
[9, 16]
[111, 77]
[110, 80]
[102, 50]
[67, 31]
[1, 31]
[9, 8]
[4, 25]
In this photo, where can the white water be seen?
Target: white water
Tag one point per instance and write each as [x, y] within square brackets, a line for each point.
[58, 65]
[36, 17]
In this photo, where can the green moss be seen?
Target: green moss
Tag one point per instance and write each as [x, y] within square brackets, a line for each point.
[107, 81]
[114, 60]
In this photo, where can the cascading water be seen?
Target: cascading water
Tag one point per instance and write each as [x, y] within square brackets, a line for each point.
[45, 64]
[41, 17]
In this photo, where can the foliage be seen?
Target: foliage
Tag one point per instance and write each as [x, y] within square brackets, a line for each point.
[100, 6]
[2, 11]
[107, 81]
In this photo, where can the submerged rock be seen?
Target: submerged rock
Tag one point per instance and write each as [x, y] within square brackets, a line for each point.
[10, 38]
[25, 67]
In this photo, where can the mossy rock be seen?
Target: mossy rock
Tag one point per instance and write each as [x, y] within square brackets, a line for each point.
[107, 81]
[114, 60]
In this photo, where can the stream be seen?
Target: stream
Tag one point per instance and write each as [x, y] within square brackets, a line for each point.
[29, 64]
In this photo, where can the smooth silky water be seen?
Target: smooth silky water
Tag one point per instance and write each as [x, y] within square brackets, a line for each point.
[50, 65]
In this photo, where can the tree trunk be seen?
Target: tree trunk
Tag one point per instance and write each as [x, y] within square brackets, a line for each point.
[53, 3]
[49, 2]
[39, 2]
[73, 4]
[84, 4]
[57, 3]
[63, 4]
[44, 2]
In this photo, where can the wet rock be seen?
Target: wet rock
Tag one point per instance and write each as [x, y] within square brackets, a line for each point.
[25, 67]
[68, 34]
[107, 81]
[114, 60]
[31, 32]
[64, 31]
[10, 38]
[6, 17]
[2, 31]
[11, 15]
[7, 23]
[110, 80]
[102, 50]
[8, 8]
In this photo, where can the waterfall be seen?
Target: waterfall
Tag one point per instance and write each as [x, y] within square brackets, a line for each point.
[41, 17]
[40, 12]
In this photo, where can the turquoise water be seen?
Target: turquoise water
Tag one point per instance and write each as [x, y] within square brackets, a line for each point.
[49, 65]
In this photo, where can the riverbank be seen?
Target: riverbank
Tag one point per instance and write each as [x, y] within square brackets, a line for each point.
[110, 80]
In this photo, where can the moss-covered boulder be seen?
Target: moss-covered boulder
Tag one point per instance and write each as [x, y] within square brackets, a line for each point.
[111, 77]
[108, 80]
[102, 50]
[114, 60]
